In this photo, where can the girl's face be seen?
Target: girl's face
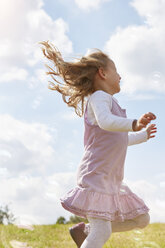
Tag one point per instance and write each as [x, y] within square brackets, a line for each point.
[108, 79]
[112, 78]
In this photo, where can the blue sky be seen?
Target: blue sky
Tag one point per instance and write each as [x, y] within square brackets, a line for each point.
[41, 138]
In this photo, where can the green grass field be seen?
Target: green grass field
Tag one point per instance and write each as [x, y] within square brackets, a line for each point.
[57, 236]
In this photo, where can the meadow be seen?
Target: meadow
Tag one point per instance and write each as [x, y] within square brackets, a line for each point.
[57, 236]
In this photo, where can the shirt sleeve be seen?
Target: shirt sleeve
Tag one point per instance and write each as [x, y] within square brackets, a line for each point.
[101, 104]
[137, 137]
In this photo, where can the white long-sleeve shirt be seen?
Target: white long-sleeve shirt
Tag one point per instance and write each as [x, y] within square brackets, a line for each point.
[99, 113]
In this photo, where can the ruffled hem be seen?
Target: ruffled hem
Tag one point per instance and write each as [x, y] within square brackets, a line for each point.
[115, 207]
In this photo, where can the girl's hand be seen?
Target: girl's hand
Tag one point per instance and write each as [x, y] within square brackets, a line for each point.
[150, 130]
[143, 121]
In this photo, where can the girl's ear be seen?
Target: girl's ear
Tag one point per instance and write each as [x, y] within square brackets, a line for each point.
[101, 72]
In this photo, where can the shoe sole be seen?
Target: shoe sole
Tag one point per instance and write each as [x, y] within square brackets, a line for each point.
[71, 234]
[77, 241]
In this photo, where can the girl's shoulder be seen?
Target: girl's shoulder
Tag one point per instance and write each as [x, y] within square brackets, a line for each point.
[100, 99]
[100, 95]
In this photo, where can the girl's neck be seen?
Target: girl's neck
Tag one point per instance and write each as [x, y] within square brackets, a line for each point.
[102, 85]
[105, 89]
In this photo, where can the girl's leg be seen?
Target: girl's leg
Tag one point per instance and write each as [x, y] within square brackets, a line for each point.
[79, 234]
[139, 222]
[100, 231]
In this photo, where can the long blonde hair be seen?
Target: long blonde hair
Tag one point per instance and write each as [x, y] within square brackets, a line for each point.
[78, 76]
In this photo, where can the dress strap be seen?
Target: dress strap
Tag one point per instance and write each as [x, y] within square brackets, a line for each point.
[86, 106]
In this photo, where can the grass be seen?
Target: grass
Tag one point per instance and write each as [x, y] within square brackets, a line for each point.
[57, 236]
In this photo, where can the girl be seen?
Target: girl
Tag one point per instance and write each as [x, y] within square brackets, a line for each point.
[101, 196]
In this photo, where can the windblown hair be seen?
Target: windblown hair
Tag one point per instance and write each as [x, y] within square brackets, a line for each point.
[78, 76]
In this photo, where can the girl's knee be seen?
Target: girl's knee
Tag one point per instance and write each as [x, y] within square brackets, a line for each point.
[143, 220]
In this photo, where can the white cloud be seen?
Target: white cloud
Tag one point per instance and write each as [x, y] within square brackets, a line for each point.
[36, 102]
[33, 148]
[26, 147]
[90, 4]
[29, 157]
[36, 200]
[38, 78]
[13, 74]
[19, 46]
[138, 51]
[153, 10]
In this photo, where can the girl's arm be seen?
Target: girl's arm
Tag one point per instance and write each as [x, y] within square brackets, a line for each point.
[142, 136]
[101, 103]
[137, 137]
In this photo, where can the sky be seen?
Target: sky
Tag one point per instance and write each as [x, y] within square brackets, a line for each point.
[41, 139]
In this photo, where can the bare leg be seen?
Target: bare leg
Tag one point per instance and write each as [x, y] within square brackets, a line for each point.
[139, 222]
[127, 225]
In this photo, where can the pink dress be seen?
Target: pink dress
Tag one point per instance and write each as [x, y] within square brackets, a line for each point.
[100, 190]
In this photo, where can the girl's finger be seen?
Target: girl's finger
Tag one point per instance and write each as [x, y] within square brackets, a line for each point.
[150, 116]
[144, 121]
[153, 132]
[154, 129]
[152, 125]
